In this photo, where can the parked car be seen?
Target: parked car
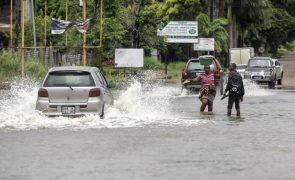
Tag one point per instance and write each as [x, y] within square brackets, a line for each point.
[193, 68]
[264, 70]
[73, 91]
[241, 69]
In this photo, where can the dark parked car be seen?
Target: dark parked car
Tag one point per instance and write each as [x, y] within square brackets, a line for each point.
[194, 67]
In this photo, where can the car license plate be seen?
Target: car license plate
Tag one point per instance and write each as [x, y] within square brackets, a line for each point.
[68, 110]
[257, 77]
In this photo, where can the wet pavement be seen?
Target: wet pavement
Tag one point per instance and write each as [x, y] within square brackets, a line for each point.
[151, 132]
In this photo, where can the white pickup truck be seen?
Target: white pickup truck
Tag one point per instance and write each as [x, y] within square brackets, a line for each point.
[264, 70]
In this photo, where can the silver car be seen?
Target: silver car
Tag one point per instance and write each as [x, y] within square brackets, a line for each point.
[73, 91]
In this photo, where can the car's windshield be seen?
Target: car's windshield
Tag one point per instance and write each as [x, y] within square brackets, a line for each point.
[69, 79]
[195, 65]
[259, 63]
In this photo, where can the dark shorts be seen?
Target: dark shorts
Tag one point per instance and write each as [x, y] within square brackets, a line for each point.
[233, 98]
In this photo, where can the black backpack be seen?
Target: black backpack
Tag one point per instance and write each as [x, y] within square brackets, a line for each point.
[235, 84]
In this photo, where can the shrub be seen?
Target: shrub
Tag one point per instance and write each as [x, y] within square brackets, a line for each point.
[35, 69]
[9, 64]
[150, 63]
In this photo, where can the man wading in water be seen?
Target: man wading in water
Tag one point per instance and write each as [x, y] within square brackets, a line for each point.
[208, 90]
[236, 89]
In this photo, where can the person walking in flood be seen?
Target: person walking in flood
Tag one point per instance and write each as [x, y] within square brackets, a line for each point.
[236, 89]
[208, 90]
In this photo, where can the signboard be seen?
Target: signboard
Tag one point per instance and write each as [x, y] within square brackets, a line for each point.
[179, 28]
[204, 44]
[129, 58]
[173, 39]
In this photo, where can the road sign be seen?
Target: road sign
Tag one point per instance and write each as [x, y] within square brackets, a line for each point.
[261, 49]
[204, 44]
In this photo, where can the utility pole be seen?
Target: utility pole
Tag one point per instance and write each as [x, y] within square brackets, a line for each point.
[23, 38]
[84, 35]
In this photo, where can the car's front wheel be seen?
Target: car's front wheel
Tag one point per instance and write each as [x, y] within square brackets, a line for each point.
[271, 84]
[280, 81]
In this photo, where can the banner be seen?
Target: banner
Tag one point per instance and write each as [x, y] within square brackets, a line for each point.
[83, 25]
[60, 26]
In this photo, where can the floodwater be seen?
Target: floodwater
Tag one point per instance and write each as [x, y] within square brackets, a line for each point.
[153, 131]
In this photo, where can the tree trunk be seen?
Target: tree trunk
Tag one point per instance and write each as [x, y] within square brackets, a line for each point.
[221, 8]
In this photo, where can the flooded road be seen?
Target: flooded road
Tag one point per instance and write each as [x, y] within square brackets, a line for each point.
[151, 132]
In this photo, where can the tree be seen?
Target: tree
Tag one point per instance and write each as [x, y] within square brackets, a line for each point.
[215, 29]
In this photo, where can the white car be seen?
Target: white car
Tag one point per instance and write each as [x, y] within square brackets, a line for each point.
[73, 91]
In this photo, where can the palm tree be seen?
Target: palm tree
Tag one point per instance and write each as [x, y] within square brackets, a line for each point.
[215, 29]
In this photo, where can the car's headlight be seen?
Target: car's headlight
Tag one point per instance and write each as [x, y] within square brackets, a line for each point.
[248, 73]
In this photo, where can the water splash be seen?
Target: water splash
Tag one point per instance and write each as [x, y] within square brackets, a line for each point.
[252, 89]
[139, 105]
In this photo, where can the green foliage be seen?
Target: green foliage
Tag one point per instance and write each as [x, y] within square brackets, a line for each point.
[180, 9]
[35, 69]
[9, 65]
[150, 63]
[176, 66]
[215, 29]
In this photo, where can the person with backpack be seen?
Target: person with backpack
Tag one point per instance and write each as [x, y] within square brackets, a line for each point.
[236, 89]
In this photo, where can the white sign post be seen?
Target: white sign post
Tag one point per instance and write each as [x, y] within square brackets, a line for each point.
[204, 44]
[129, 57]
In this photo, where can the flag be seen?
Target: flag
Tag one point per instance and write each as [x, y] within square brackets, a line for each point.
[59, 26]
[83, 25]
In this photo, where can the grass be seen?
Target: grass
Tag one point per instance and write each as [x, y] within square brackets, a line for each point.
[10, 68]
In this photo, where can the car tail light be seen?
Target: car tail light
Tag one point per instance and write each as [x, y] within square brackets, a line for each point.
[42, 93]
[94, 92]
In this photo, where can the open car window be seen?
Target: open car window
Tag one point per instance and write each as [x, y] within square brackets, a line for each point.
[69, 78]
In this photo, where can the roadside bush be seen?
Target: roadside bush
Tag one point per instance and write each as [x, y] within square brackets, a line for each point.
[178, 66]
[150, 63]
[35, 69]
[9, 65]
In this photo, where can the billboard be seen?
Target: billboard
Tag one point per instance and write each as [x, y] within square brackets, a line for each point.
[204, 44]
[129, 57]
[179, 28]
